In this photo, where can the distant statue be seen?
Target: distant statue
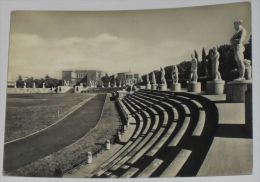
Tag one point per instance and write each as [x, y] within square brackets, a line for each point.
[66, 83]
[194, 68]
[214, 56]
[34, 86]
[15, 86]
[140, 79]
[238, 46]
[175, 74]
[108, 84]
[24, 84]
[43, 85]
[147, 79]
[163, 80]
[248, 69]
[153, 78]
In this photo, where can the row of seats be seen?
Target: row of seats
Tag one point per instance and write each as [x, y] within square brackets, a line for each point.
[172, 136]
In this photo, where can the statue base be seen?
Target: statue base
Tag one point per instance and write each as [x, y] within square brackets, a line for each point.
[235, 90]
[154, 86]
[248, 109]
[194, 87]
[176, 87]
[148, 86]
[162, 87]
[122, 94]
[215, 87]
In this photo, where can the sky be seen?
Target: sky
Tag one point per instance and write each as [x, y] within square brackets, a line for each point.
[47, 42]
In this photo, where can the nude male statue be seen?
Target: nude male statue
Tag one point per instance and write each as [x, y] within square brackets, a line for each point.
[163, 81]
[175, 74]
[238, 46]
[214, 56]
[147, 79]
[194, 67]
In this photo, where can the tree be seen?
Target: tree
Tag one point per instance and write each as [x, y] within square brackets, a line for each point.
[29, 82]
[105, 79]
[204, 69]
[248, 49]
[51, 82]
[19, 82]
[196, 55]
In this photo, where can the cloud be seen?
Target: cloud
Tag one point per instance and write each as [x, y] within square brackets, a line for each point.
[32, 55]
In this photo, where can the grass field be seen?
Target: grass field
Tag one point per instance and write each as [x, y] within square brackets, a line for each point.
[28, 113]
[71, 155]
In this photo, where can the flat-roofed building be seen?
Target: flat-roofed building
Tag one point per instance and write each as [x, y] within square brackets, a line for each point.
[128, 77]
[75, 77]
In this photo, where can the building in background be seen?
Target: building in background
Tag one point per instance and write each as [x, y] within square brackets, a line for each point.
[75, 77]
[128, 77]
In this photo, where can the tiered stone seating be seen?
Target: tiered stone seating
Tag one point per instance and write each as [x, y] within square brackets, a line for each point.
[140, 129]
[172, 137]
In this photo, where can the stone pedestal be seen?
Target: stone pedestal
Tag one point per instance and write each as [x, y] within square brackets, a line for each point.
[148, 86]
[108, 145]
[119, 136]
[176, 87]
[248, 109]
[215, 87]
[194, 87]
[122, 94]
[89, 158]
[163, 87]
[235, 90]
[154, 86]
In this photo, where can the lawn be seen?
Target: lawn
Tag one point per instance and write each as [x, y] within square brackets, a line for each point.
[72, 155]
[28, 113]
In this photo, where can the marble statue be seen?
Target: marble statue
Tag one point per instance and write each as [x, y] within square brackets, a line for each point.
[66, 83]
[248, 69]
[140, 79]
[194, 67]
[43, 85]
[34, 86]
[147, 79]
[163, 80]
[175, 74]
[153, 78]
[24, 84]
[238, 46]
[214, 56]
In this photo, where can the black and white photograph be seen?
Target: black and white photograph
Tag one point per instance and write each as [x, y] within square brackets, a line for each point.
[138, 93]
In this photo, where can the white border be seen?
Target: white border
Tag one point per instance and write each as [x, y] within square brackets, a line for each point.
[6, 6]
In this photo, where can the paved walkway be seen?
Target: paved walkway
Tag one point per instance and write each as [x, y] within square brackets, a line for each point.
[231, 150]
[69, 130]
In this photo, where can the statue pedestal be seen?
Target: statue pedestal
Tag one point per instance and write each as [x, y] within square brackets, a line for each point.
[154, 86]
[163, 87]
[122, 94]
[215, 87]
[176, 87]
[194, 87]
[235, 90]
[248, 109]
[148, 86]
